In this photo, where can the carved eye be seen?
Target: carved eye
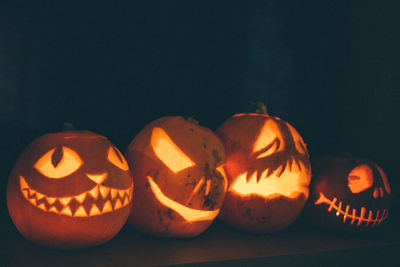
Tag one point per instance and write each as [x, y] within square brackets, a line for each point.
[58, 163]
[360, 179]
[116, 158]
[384, 178]
[298, 141]
[168, 152]
[267, 139]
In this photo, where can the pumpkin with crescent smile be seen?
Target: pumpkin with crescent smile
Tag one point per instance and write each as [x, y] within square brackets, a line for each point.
[69, 190]
[179, 180]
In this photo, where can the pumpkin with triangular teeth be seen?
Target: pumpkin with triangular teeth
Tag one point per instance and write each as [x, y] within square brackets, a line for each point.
[69, 190]
[268, 172]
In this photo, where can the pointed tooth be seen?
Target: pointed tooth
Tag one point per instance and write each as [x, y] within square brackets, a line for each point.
[39, 196]
[94, 210]
[53, 209]
[66, 211]
[121, 193]
[107, 207]
[114, 193]
[25, 193]
[33, 201]
[80, 198]
[32, 192]
[94, 192]
[42, 207]
[23, 183]
[125, 200]
[51, 200]
[104, 191]
[80, 212]
[65, 200]
[118, 204]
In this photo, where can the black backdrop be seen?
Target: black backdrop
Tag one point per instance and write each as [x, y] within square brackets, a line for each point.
[330, 68]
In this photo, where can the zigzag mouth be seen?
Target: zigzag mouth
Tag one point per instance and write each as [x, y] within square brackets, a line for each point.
[287, 185]
[97, 201]
[369, 221]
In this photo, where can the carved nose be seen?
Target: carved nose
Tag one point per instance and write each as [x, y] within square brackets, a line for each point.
[97, 178]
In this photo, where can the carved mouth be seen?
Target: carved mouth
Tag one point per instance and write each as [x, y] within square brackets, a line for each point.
[97, 201]
[190, 215]
[353, 218]
[288, 185]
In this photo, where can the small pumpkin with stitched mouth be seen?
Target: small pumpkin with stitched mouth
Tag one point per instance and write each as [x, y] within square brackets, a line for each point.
[268, 172]
[179, 180]
[69, 190]
[348, 194]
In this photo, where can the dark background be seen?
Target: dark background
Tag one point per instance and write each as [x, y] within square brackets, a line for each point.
[330, 68]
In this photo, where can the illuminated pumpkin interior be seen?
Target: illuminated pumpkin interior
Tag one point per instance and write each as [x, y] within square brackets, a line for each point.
[96, 201]
[290, 184]
[116, 158]
[176, 160]
[168, 152]
[368, 218]
[190, 215]
[60, 162]
[69, 162]
[360, 178]
[289, 178]
[268, 140]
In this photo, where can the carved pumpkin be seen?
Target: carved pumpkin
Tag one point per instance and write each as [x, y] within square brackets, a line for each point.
[268, 172]
[69, 190]
[179, 180]
[348, 193]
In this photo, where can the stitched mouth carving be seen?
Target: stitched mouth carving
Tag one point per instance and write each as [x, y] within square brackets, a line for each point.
[97, 201]
[369, 221]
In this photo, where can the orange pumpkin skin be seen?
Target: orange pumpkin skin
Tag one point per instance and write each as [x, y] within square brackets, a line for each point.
[70, 190]
[268, 173]
[178, 175]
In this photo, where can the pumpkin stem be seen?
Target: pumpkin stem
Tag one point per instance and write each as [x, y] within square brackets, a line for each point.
[67, 126]
[192, 120]
[261, 108]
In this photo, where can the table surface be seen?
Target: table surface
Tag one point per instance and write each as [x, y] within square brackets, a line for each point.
[220, 245]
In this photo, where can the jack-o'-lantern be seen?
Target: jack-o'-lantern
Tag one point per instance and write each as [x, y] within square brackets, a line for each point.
[268, 172]
[179, 180]
[348, 194]
[69, 190]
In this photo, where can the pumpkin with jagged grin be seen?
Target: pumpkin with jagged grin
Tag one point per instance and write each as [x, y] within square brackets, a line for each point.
[69, 190]
[348, 194]
[268, 172]
[179, 180]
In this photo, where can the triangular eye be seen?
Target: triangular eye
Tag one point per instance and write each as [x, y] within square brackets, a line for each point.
[267, 138]
[384, 178]
[360, 178]
[116, 158]
[58, 163]
[298, 141]
[168, 152]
